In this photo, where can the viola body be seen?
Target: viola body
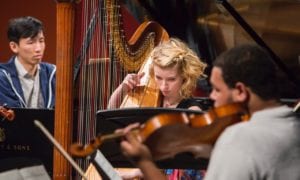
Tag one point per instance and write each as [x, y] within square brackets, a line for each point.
[197, 136]
[168, 134]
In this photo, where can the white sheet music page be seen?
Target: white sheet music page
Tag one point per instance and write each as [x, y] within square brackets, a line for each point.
[105, 165]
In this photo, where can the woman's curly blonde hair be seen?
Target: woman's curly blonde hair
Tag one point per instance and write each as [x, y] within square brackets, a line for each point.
[175, 52]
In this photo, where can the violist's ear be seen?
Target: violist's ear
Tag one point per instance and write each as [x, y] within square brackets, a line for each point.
[240, 92]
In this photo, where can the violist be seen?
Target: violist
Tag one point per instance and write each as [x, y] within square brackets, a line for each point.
[265, 147]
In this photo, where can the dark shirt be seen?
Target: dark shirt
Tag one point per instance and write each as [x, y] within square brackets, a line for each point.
[187, 103]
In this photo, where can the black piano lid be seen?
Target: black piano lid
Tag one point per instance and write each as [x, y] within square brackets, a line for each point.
[272, 24]
[20, 138]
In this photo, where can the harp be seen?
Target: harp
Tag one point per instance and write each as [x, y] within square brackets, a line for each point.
[105, 55]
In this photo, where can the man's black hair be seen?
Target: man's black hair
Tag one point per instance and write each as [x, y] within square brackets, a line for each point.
[253, 66]
[23, 27]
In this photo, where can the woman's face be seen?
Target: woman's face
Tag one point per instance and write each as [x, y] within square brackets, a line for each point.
[168, 80]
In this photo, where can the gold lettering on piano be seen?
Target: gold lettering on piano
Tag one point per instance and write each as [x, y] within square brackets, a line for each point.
[21, 147]
[15, 147]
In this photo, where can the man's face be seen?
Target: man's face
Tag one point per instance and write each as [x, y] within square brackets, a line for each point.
[221, 93]
[30, 51]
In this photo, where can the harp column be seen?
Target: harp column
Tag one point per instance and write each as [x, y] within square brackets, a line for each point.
[64, 86]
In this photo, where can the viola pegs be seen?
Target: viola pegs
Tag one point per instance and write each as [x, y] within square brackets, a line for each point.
[10, 115]
[7, 114]
[77, 150]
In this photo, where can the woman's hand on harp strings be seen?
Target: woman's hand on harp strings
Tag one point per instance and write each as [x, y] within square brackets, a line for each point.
[131, 81]
[128, 84]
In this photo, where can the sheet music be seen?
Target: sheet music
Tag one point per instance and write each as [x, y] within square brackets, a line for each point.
[104, 164]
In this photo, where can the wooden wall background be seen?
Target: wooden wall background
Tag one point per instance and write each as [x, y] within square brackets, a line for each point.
[45, 10]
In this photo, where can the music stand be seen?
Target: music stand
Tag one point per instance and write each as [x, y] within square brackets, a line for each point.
[110, 120]
[22, 144]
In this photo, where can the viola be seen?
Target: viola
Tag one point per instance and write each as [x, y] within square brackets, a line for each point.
[7, 113]
[199, 137]
[170, 133]
[143, 132]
